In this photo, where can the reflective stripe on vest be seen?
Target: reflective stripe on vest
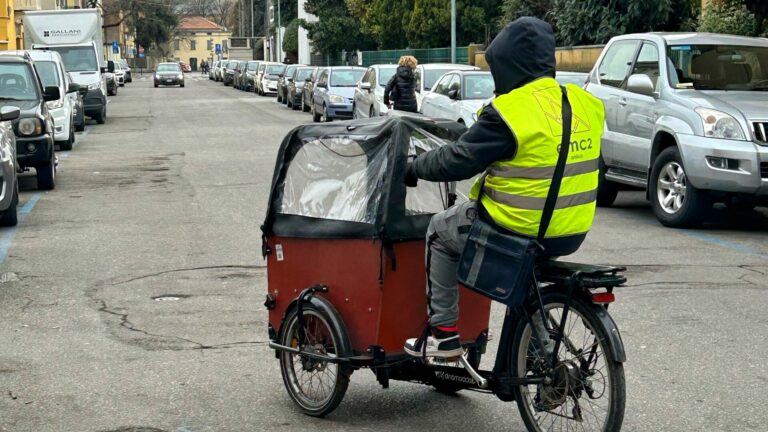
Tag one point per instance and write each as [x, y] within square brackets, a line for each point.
[516, 190]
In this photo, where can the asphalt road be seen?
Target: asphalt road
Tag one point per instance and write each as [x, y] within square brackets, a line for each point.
[166, 200]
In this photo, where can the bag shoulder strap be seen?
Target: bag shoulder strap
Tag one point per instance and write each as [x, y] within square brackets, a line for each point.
[557, 179]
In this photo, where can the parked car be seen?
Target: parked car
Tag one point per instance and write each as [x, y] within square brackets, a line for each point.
[212, 70]
[228, 72]
[219, 69]
[250, 75]
[282, 83]
[332, 95]
[267, 85]
[257, 78]
[127, 69]
[686, 119]
[239, 74]
[309, 87]
[369, 94]
[20, 87]
[577, 78]
[50, 69]
[458, 96]
[427, 75]
[79, 106]
[301, 76]
[185, 67]
[169, 74]
[9, 194]
[119, 74]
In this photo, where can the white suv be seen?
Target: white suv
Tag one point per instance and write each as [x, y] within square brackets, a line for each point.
[50, 67]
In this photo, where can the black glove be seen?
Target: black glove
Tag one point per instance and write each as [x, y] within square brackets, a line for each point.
[411, 179]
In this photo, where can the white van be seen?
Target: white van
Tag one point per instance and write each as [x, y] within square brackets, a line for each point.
[50, 67]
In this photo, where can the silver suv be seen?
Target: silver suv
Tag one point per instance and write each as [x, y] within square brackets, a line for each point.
[686, 119]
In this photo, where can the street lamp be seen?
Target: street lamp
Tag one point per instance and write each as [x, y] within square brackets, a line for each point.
[279, 44]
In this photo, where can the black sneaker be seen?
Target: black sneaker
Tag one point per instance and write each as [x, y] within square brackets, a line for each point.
[442, 344]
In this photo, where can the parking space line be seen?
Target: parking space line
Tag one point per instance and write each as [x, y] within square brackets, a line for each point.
[6, 240]
[725, 243]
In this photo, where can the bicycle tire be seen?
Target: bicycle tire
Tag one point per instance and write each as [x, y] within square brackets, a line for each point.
[587, 313]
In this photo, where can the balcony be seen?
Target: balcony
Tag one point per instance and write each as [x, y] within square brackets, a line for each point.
[26, 5]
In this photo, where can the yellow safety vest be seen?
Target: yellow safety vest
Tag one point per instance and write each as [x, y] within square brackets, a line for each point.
[516, 189]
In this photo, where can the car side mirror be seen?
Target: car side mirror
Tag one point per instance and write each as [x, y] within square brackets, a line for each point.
[453, 94]
[73, 87]
[321, 85]
[110, 66]
[82, 91]
[9, 113]
[51, 93]
[103, 69]
[289, 79]
[365, 86]
[640, 84]
[307, 79]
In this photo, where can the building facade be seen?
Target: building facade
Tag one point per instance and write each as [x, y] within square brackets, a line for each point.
[196, 39]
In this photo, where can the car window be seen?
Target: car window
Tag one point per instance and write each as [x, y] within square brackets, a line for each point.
[346, 77]
[442, 86]
[323, 79]
[17, 82]
[252, 66]
[78, 59]
[478, 86]
[289, 71]
[275, 69]
[455, 84]
[168, 67]
[262, 66]
[385, 74]
[303, 73]
[719, 67]
[647, 62]
[615, 66]
[48, 73]
[367, 78]
[432, 75]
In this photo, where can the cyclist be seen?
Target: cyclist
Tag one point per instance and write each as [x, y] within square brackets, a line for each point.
[515, 141]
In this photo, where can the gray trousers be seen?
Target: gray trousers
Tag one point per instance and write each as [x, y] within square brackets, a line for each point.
[446, 237]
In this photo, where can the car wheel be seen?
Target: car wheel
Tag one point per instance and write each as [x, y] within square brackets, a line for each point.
[354, 112]
[80, 127]
[304, 107]
[675, 201]
[326, 117]
[10, 216]
[181, 85]
[315, 114]
[46, 174]
[607, 191]
[102, 117]
[279, 97]
[67, 145]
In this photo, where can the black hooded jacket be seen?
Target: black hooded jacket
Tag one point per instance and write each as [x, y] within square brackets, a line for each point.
[402, 87]
[522, 52]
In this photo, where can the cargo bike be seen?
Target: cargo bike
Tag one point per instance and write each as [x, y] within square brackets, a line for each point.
[344, 244]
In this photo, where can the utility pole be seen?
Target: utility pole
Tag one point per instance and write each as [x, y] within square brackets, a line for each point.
[252, 26]
[453, 31]
[279, 42]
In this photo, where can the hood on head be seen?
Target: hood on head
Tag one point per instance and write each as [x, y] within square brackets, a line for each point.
[523, 51]
[404, 72]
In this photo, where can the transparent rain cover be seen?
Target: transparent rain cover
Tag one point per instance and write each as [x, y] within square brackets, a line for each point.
[429, 197]
[335, 178]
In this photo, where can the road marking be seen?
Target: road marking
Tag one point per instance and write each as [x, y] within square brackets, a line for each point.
[6, 240]
[725, 243]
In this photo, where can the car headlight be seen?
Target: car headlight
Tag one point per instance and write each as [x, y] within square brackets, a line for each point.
[94, 86]
[55, 104]
[718, 124]
[30, 126]
[180, 76]
[336, 99]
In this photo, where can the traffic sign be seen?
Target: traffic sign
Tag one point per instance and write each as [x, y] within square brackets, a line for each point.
[141, 49]
[115, 48]
[141, 55]
[218, 48]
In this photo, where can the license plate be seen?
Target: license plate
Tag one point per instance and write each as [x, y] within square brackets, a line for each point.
[169, 80]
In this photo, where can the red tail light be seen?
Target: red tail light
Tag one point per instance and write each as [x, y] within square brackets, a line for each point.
[603, 298]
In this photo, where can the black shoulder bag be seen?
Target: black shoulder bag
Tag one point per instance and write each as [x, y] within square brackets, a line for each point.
[499, 265]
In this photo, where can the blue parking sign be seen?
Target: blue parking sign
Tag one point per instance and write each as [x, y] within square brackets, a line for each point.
[115, 48]
[218, 48]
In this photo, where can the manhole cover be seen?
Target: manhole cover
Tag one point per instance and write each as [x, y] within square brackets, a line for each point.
[170, 297]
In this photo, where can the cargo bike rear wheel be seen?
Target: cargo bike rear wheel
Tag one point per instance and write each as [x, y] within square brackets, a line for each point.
[316, 382]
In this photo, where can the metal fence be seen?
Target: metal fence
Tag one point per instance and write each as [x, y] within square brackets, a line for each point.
[431, 55]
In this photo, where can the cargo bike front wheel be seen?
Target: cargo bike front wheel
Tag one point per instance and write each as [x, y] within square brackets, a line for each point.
[315, 381]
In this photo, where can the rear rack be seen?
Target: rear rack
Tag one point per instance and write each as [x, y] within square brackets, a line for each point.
[587, 275]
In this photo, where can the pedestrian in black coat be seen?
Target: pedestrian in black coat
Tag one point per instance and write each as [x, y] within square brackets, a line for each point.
[401, 88]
